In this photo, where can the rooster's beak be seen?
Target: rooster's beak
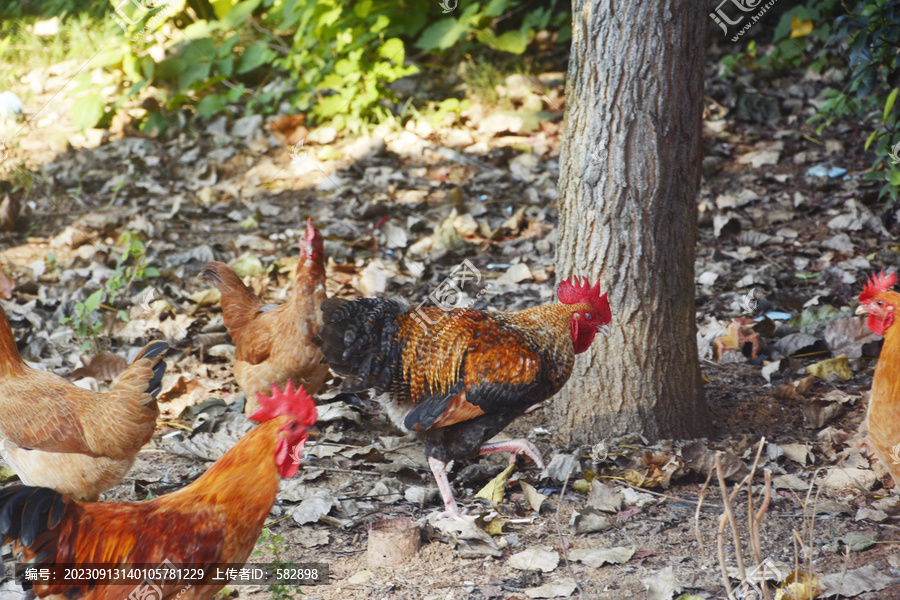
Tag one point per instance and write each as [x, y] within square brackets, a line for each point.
[862, 309]
[313, 432]
[604, 329]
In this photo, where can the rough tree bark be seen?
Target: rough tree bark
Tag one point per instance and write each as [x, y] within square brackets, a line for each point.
[629, 178]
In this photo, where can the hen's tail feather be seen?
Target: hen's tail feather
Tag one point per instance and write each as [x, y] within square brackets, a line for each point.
[239, 304]
[358, 339]
[27, 512]
[155, 351]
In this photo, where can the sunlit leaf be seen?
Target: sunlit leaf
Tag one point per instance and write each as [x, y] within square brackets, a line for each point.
[493, 491]
[87, 111]
[800, 28]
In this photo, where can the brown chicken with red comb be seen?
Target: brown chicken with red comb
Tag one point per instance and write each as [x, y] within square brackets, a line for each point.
[273, 344]
[881, 304]
[460, 381]
[215, 520]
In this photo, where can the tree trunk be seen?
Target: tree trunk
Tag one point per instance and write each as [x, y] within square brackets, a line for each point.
[629, 179]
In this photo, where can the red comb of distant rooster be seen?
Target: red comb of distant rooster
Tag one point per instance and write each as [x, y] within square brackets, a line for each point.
[311, 243]
[877, 284]
[289, 402]
[571, 291]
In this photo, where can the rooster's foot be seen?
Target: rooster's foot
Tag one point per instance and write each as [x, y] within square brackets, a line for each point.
[515, 447]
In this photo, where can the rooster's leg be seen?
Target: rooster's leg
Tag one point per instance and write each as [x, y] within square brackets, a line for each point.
[451, 510]
[515, 447]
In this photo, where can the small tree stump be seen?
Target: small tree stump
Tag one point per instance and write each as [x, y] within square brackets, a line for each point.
[392, 542]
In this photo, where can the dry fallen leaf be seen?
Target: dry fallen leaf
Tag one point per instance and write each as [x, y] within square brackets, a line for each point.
[493, 491]
[535, 498]
[800, 28]
[838, 367]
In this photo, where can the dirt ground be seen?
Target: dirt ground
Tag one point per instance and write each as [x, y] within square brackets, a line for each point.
[400, 209]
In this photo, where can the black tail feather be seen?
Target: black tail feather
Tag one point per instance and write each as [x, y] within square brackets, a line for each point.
[151, 351]
[210, 272]
[27, 512]
[358, 339]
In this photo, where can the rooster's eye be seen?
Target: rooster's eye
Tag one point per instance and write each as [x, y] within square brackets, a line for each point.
[293, 426]
[879, 303]
[588, 316]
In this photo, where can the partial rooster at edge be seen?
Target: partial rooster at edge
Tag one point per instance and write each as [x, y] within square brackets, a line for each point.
[459, 382]
[215, 520]
[273, 344]
[55, 434]
[880, 303]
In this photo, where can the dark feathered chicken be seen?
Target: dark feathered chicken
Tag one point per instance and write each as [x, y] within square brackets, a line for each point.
[461, 380]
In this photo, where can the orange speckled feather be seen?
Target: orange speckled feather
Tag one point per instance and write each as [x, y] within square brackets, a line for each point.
[509, 348]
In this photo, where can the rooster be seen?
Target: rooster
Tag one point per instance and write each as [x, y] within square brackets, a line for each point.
[78, 442]
[213, 521]
[880, 303]
[460, 382]
[273, 344]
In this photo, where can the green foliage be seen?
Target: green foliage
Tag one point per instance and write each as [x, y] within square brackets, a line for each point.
[871, 33]
[334, 60]
[87, 111]
[797, 28]
[274, 544]
[86, 324]
[130, 266]
[477, 21]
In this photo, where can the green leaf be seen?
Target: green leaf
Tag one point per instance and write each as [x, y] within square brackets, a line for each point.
[330, 18]
[894, 178]
[234, 94]
[221, 7]
[151, 272]
[87, 111]
[148, 67]
[890, 103]
[194, 73]
[513, 42]
[393, 50]
[236, 16]
[131, 65]
[93, 301]
[225, 66]
[155, 124]
[871, 139]
[442, 35]
[170, 68]
[255, 56]
[331, 105]
[495, 8]
[210, 105]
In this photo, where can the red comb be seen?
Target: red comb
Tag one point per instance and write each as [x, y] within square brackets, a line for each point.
[289, 402]
[877, 284]
[311, 240]
[571, 291]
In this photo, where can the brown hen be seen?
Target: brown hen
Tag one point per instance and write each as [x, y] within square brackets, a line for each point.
[55, 434]
[273, 344]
